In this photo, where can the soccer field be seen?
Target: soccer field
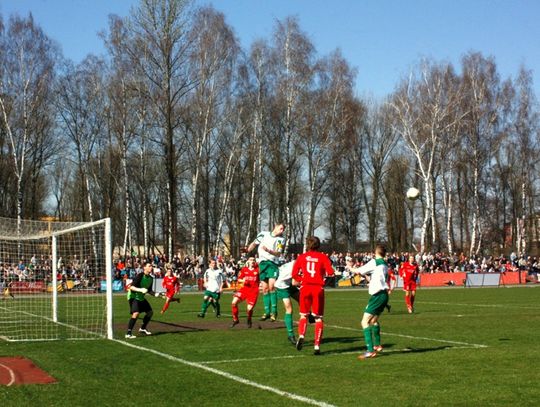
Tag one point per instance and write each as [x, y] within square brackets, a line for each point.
[463, 346]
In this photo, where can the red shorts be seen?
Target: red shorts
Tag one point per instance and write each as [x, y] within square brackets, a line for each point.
[249, 295]
[170, 294]
[312, 300]
[409, 285]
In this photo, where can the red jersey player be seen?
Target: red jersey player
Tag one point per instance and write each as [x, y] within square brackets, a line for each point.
[249, 292]
[391, 280]
[172, 286]
[408, 271]
[310, 269]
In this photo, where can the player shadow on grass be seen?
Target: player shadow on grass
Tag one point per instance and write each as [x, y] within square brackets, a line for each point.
[163, 328]
[387, 349]
[417, 350]
[341, 339]
[174, 327]
[412, 350]
[353, 349]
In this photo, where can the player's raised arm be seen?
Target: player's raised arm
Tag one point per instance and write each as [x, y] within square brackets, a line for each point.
[255, 243]
[252, 246]
[367, 268]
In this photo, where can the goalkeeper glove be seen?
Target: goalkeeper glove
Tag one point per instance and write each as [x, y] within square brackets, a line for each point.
[139, 289]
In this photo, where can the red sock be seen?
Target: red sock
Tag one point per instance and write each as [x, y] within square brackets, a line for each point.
[319, 326]
[250, 313]
[408, 301]
[302, 324]
[412, 300]
[165, 307]
[235, 312]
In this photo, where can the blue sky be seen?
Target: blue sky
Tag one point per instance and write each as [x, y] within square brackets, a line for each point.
[383, 39]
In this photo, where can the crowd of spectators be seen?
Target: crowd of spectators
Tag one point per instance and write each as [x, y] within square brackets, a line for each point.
[79, 272]
[190, 269]
[444, 263]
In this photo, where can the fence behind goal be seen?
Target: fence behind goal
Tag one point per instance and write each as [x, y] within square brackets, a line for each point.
[50, 275]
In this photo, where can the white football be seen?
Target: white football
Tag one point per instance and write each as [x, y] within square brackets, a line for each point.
[413, 193]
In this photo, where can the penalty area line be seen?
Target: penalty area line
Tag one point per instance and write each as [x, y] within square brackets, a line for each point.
[472, 345]
[465, 344]
[227, 375]
[481, 305]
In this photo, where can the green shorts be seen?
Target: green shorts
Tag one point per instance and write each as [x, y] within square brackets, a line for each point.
[283, 293]
[212, 294]
[376, 303]
[268, 269]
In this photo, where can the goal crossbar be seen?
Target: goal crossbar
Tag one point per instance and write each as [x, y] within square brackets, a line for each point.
[47, 234]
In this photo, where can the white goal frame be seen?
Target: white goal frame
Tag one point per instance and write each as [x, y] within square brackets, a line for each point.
[53, 235]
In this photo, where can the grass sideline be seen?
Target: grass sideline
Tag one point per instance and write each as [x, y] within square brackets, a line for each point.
[462, 347]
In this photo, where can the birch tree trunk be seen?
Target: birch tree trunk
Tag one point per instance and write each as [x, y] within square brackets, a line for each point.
[142, 155]
[254, 202]
[230, 168]
[476, 214]
[447, 198]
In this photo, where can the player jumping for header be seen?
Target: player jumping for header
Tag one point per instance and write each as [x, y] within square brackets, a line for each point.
[270, 247]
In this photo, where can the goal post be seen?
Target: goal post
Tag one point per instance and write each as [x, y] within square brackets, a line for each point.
[50, 279]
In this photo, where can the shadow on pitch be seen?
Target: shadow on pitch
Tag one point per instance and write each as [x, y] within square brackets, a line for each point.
[172, 328]
[388, 349]
[417, 350]
[353, 349]
[341, 339]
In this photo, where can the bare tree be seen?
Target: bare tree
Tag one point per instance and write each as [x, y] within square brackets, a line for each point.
[258, 67]
[293, 58]
[213, 58]
[344, 194]
[378, 142]
[397, 234]
[123, 93]
[231, 147]
[481, 84]
[422, 106]
[80, 104]
[334, 84]
[159, 51]
[27, 58]
[526, 131]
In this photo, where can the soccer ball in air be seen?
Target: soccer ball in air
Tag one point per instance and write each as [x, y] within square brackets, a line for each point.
[413, 193]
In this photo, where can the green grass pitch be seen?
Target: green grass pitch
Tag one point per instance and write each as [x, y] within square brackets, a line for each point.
[463, 347]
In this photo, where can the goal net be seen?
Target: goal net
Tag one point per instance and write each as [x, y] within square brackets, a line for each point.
[55, 280]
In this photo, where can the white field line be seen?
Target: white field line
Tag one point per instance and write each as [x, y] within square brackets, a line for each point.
[472, 345]
[466, 344]
[11, 374]
[479, 305]
[230, 376]
[227, 375]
